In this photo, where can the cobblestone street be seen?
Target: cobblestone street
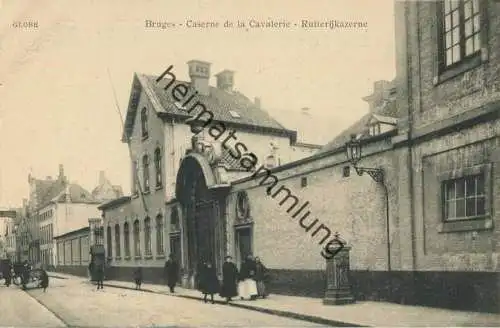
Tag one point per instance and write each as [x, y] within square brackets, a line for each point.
[79, 304]
[18, 309]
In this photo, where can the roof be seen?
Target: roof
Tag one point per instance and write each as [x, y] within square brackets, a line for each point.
[77, 194]
[385, 119]
[116, 189]
[360, 126]
[73, 233]
[114, 202]
[219, 103]
[47, 190]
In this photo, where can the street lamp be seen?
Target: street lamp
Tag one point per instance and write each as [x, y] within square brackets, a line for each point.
[353, 153]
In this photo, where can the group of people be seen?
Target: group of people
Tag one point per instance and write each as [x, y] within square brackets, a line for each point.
[248, 283]
[10, 272]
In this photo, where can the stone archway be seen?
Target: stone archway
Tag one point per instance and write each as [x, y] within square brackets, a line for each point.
[204, 226]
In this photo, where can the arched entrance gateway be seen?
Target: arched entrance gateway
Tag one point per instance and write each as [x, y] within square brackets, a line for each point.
[202, 196]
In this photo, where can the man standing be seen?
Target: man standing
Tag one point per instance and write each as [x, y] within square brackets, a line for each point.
[229, 280]
[171, 272]
[99, 267]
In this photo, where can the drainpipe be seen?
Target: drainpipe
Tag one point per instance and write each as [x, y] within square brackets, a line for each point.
[411, 180]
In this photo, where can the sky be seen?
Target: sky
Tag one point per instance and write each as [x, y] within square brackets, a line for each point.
[56, 96]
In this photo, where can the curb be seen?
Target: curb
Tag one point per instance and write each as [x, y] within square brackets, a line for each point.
[57, 277]
[280, 313]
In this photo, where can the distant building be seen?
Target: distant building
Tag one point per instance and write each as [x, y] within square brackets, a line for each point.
[105, 190]
[73, 251]
[56, 207]
[7, 233]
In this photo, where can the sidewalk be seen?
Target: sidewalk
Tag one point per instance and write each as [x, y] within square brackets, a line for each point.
[313, 310]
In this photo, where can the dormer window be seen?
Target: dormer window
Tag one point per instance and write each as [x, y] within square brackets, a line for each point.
[375, 129]
[234, 114]
[144, 122]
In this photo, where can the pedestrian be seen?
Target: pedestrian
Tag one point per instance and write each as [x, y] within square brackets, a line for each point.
[229, 287]
[171, 272]
[261, 277]
[7, 273]
[247, 287]
[44, 279]
[210, 282]
[25, 276]
[99, 273]
[138, 277]
[200, 273]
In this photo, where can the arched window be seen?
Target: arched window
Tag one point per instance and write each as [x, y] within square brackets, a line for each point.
[137, 239]
[159, 235]
[147, 236]
[134, 177]
[144, 122]
[159, 177]
[117, 241]
[109, 242]
[126, 239]
[145, 172]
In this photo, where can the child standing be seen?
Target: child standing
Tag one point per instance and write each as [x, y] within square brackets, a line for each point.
[138, 277]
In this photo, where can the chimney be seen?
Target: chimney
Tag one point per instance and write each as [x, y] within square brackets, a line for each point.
[257, 102]
[102, 178]
[61, 176]
[225, 80]
[48, 177]
[199, 72]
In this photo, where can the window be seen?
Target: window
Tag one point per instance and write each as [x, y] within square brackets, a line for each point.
[159, 177]
[460, 31]
[147, 236]
[303, 182]
[464, 198]
[134, 177]
[159, 235]
[126, 239]
[137, 239]
[109, 242]
[145, 172]
[144, 122]
[117, 240]
[174, 221]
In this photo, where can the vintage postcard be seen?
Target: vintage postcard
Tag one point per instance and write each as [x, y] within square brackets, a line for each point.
[275, 163]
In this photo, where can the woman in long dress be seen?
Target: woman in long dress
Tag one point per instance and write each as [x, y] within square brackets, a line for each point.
[247, 287]
[171, 272]
[210, 282]
[229, 280]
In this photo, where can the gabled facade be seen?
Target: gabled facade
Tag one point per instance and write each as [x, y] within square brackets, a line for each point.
[158, 131]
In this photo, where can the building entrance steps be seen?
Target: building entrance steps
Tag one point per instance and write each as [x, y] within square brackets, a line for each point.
[312, 309]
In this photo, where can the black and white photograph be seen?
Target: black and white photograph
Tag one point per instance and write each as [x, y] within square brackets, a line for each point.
[276, 163]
